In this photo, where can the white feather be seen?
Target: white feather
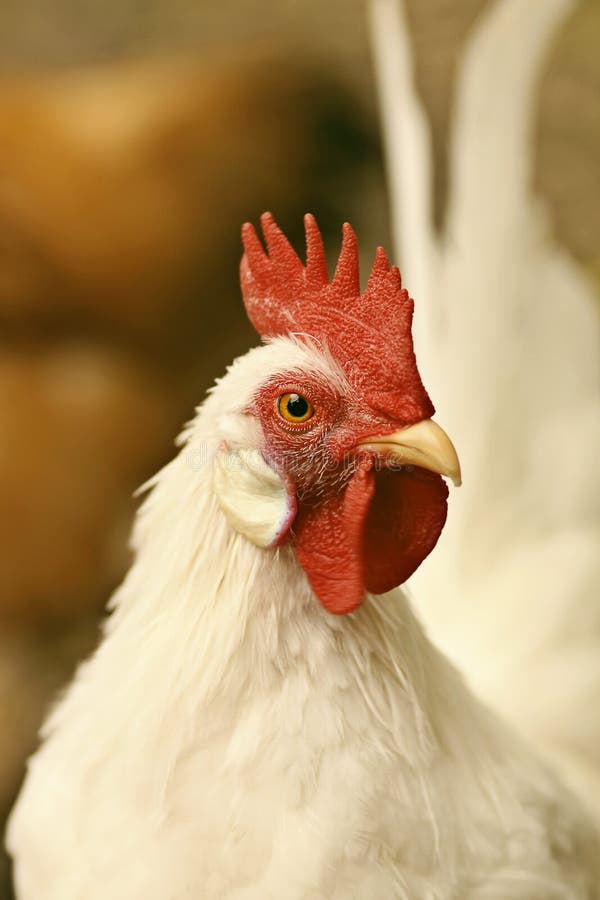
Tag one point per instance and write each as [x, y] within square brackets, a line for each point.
[507, 337]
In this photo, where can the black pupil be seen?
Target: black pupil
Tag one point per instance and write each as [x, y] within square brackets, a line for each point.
[297, 406]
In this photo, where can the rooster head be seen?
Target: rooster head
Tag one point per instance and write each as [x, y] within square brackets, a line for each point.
[340, 454]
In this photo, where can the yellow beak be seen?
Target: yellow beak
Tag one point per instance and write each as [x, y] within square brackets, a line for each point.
[425, 445]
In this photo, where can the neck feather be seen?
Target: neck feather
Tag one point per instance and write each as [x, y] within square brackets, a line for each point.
[206, 624]
[226, 617]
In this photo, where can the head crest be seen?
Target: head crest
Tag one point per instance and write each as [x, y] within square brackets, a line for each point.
[369, 333]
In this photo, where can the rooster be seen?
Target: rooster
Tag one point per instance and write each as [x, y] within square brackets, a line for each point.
[265, 716]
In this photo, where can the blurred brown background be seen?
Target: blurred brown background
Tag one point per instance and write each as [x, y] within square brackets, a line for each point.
[135, 137]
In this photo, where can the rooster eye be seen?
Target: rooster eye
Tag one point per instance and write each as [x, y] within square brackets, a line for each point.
[294, 408]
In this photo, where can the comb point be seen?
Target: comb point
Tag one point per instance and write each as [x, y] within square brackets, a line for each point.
[381, 268]
[316, 266]
[396, 278]
[254, 253]
[347, 274]
[280, 250]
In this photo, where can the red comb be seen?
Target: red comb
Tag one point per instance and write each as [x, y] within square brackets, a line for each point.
[369, 333]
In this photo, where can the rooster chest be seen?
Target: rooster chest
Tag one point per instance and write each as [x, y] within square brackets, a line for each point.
[319, 808]
[339, 775]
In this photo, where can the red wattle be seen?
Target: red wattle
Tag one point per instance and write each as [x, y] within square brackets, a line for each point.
[402, 526]
[328, 538]
[370, 537]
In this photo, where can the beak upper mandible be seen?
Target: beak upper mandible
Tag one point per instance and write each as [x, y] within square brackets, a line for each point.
[425, 445]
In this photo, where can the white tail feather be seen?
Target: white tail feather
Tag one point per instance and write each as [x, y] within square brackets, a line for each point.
[507, 336]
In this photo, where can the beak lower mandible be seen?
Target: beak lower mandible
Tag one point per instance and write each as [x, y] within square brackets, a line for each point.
[425, 445]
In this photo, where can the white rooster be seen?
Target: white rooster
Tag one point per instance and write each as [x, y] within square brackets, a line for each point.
[265, 716]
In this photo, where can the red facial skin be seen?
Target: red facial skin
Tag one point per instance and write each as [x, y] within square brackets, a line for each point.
[359, 526]
[363, 523]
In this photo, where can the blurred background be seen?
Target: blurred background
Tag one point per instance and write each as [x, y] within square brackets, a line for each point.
[135, 138]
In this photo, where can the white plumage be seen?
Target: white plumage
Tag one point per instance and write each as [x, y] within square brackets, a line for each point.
[508, 337]
[231, 740]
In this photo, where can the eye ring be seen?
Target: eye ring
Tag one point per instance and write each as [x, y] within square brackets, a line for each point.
[295, 408]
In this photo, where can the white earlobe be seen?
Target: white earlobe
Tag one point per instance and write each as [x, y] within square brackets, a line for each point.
[252, 496]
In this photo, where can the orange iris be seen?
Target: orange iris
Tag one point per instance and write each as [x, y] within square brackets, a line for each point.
[295, 408]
